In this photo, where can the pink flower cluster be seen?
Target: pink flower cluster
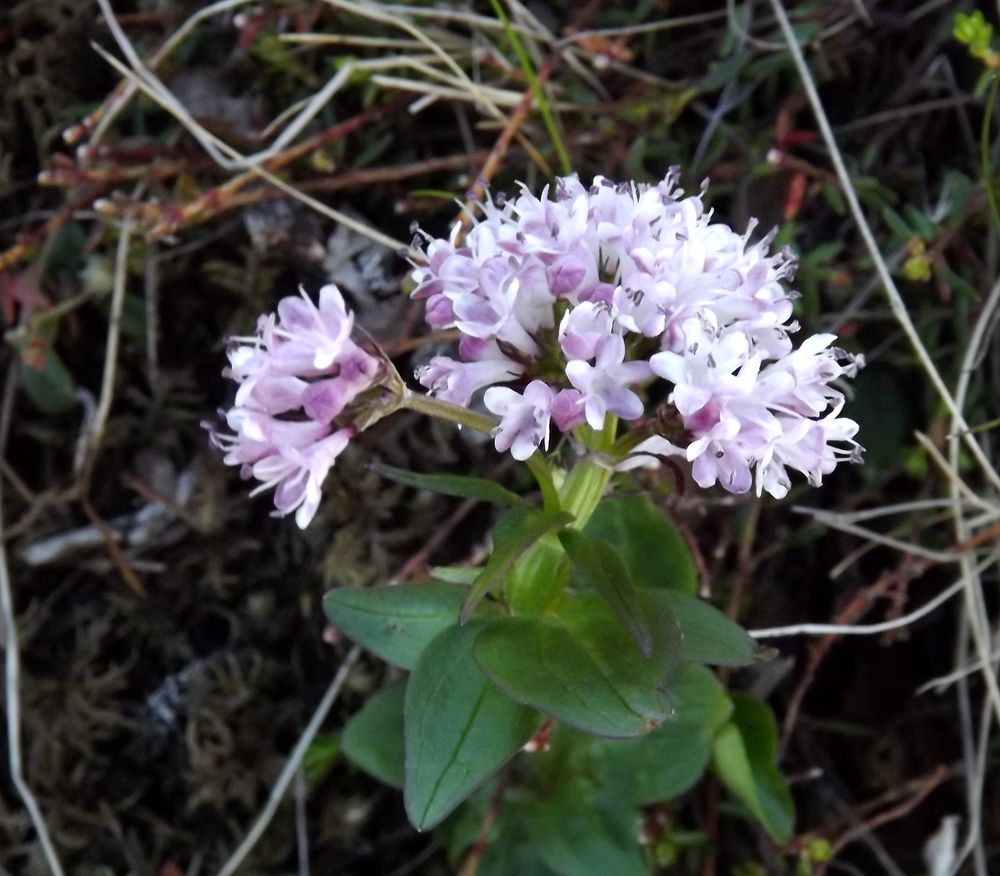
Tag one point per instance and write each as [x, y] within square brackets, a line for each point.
[587, 299]
[296, 376]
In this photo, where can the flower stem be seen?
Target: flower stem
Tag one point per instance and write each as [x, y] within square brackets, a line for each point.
[543, 474]
[461, 416]
[435, 407]
[585, 484]
[537, 91]
[991, 193]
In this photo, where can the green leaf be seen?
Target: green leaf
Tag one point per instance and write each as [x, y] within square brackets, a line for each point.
[957, 282]
[604, 569]
[47, 382]
[583, 668]
[918, 219]
[512, 849]
[832, 194]
[397, 622]
[724, 71]
[451, 485]
[653, 550]
[464, 575]
[573, 834]
[983, 82]
[897, 223]
[67, 252]
[668, 761]
[459, 728]
[373, 738]
[539, 578]
[514, 533]
[707, 635]
[320, 756]
[745, 759]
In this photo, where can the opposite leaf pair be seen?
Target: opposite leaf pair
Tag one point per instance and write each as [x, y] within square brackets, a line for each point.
[603, 658]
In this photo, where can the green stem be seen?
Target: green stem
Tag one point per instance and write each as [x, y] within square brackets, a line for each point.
[536, 89]
[435, 407]
[585, 484]
[991, 193]
[630, 440]
[543, 474]
[583, 489]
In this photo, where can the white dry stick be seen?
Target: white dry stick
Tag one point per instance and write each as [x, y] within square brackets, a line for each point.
[976, 620]
[188, 122]
[884, 510]
[835, 521]
[291, 768]
[925, 522]
[896, 302]
[395, 19]
[301, 822]
[12, 665]
[308, 110]
[952, 475]
[150, 79]
[940, 684]
[644, 28]
[862, 629]
[128, 92]
[100, 418]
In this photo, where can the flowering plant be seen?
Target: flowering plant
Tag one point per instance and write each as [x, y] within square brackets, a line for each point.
[622, 316]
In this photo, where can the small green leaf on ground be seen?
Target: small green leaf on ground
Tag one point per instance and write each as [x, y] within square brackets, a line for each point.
[320, 756]
[464, 575]
[46, 380]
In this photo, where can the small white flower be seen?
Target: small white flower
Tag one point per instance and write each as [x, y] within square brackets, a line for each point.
[524, 418]
[603, 385]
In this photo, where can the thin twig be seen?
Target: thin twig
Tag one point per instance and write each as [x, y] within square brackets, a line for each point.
[479, 847]
[441, 535]
[301, 822]
[12, 255]
[12, 660]
[856, 608]
[923, 786]
[102, 117]
[100, 419]
[863, 629]
[943, 682]
[203, 135]
[95, 431]
[975, 621]
[835, 521]
[501, 147]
